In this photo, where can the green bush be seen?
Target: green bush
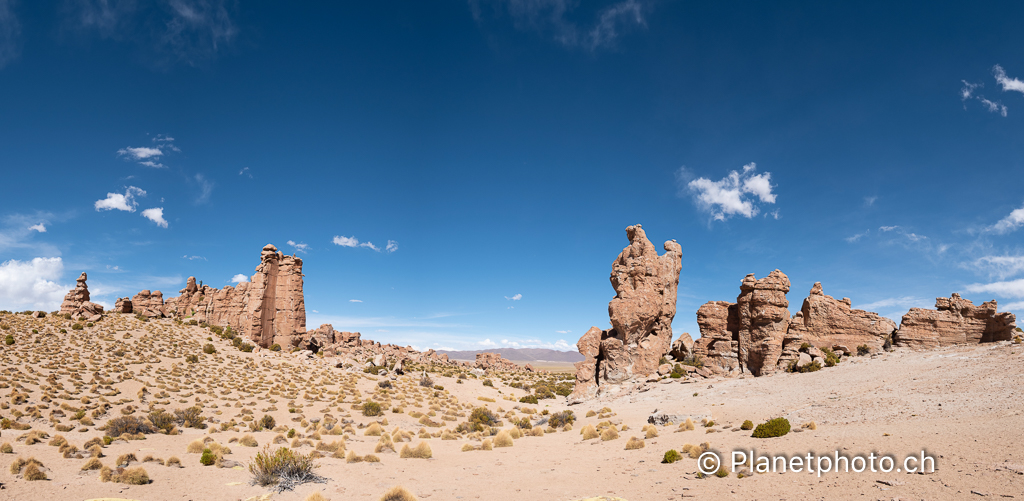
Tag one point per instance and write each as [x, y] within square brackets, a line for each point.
[374, 369]
[488, 382]
[130, 425]
[831, 359]
[208, 458]
[747, 425]
[672, 456]
[772, 428]
[811, 367]
[190, 417]
[9, 339]
[275, 347]
[372, 409]
[77, 327]
[529, 399]
[246, 347]
[863, 350]
[209, 349]
[267, 422]
[438, 387]
[216, 329]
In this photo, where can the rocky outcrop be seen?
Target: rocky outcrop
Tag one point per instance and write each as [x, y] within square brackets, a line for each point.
[825, 322]
[954, 321]
[718, 346]
[494, 362]
[123, 305]
[149, 304]
[76, 303]
[225, 307]
[275, 300]
[682, 348]
[763, 312]
[641, 315]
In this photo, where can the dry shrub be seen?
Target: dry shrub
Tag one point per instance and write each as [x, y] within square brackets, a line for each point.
[316, 496]
[58, 440]
[487, 445]
[282, 466]
[591, 413]
[106, 474]
[132, 476]
[421, 451]
[652, 432]
[374, 430]
[537, 432]
[248, 441]
[337, 445]
[195, 447]
[397, 493]
[503, 439]
[353, 457]
[468, 447]
[96, 451]
[370, 458]
[609, 434]
[589, 433]
[32, 472]
[92, 464]
[280, 439]
[810, 425]
[6, 448]
[634, 443]
[126, 459]
[174, 461]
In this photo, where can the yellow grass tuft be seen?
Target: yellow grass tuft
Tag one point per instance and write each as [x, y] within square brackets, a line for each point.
[421, 451]
[609, 434]
[397, 493]
[316, 496]
[589, 433]
[634, 443]
[503, 439]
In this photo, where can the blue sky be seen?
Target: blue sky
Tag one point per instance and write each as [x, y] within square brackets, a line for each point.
[460, 174]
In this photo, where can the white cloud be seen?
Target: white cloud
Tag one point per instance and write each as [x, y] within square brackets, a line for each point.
[40, 227]
[869, 201]
[994, 107]
[1006, 82]
[913, 237]
[999, 266]
[392, 246]
[1014, 307]
[563, 332]
[239, 278]
[298, 247]
[729, 196]
[31, 284]
[10, 33]
[554, 18]
[967, 92]
[858, 236]
[905, 302]
[1009, 223]
[487, 342]
[140, 153]
[346, 241]
[205, 189]
[516, 297]
[245, 172]
[370, 245]
[1013, 288]
[125, 202]
[156, 214]
[355, 300]
[193, 258]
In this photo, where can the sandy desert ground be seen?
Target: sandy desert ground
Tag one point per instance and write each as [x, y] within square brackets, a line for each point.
[963, 405]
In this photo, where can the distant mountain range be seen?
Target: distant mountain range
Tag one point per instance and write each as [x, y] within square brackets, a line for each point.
[520, 355]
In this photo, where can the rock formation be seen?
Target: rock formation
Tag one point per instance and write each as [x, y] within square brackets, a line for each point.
[76, 302]
[494, 362]
[756, 334]
[825, 322]
[149, 304]
[954, 321]
[123, 305]
[641, 315]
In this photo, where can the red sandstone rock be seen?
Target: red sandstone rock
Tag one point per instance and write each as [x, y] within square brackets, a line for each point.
[763, 314]
[123, 305]
[641, 315]
[825, 322]
[76, 302]
[149, 304]
[718, 345]
[954, 321]
[494, 361]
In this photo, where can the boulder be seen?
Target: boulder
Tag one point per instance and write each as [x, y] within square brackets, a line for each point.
[641, 316]
[954, 321]
[123, 305]
[149, 304]
[664, 369]
[380, 359]
[682, 348]
[718, 346]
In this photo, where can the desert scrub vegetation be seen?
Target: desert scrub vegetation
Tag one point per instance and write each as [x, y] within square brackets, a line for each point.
[371, 409]
[561, 418]
[29, 469]
[283, 468]
[132, 476]
[863, 350]
[589, 432]
[634, 443]
[747, 425]
[671, 456]
[397, 493]
[772, 428]
[421, 451]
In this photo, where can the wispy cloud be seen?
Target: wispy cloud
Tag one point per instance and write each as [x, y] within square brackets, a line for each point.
[239, 278]
[735, 194]
[150, 156]
[299, 247]
[355, 300]
[17, 231]
[516, 297]
[197, 30]
[563, 332]
[1012, 288]
[392, 246]
[354, 242]
[905, 302]
[193, 258]
[205, 189]
[858, 236]
[557, 19]
[32, 284]
[899, 230]
[998, 266]
[156, 214]
[10, 33]
[969, 92]
[118, 201]
[1009, 223]
[869, 201]
[245, 172]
